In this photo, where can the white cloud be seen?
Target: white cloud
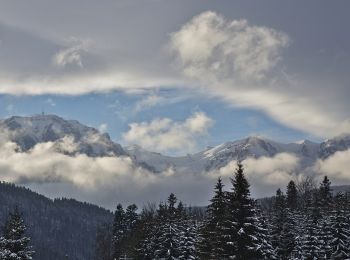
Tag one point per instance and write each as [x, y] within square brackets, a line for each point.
[211, 46]
[125, 79]
[264, 173]
[101, 180]
[44, 164]
[148, 102]
[72, 54]
[293, 110]
[267, 174]
[164, 134]
[103, 128]
[336, 167]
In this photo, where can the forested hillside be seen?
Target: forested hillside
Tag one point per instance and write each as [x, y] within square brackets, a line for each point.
[58, 228]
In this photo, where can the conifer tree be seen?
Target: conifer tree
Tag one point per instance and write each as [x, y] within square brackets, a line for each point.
[14, 244]
[151, 224]
[242, 223]
[119, 231]
[188, 241]
[279, 219]
[288, 234]
[340, 230]
[311, 244]
[265, 250]
[213, 244]
[292, 196]
[325, 193]
[168, 237]
[326, 236]
[283, 224]
[131, 216]
[180, 210]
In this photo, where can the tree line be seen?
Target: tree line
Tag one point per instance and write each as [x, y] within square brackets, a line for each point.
[306, 222]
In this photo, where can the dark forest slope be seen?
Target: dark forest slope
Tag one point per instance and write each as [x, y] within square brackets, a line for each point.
[58, 227]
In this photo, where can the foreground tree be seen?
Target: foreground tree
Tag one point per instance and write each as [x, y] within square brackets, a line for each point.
[131, 217]
[168, 237]
[214, 242]
[188, 241]
[325, 194]
[311, 243]
[340, 230]
[14, 245]
[242, 227]
[265, 250]
[292, 196]
[119, 231]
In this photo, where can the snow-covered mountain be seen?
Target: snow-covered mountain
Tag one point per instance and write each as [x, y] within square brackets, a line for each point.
[331, 146]
[29, 131]
[252, 147]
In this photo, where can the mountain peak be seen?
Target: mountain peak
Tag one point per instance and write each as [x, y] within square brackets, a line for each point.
[27, 131]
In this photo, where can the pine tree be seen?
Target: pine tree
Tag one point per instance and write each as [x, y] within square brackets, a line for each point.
[292, 196]
[150, 222]
[188, 241]
[167, 241]
[326, 236]
[180, 210]
[119, 231]
[299, 218]
[278, 220]
[340, 230]
[214, 242]
[265, 249]
[325, 193]
[283, 233]
[242, 223]
[311, 243]
[134, 232]
[288, 234]
[131, 216]
[14, 245]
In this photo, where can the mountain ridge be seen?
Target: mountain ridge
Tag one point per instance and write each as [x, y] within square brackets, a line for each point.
[251, 147]
[31, 130]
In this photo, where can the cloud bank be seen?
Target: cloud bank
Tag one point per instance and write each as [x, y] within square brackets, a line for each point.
[336, 166]
[164, 134]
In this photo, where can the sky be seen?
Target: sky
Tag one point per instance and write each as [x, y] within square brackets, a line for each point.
[220, 70]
